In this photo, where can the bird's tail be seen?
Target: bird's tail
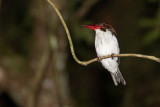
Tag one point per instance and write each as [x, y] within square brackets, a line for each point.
[117, 78]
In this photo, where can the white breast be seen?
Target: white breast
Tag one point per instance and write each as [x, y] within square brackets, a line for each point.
[106, 43]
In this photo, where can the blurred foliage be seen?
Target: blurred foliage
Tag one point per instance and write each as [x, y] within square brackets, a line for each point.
[84, 36]
[152, 24]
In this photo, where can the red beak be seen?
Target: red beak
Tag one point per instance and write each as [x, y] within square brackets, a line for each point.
[92, 26]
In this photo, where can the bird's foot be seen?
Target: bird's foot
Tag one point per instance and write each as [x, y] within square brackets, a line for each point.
[112, 56]
[98, 59]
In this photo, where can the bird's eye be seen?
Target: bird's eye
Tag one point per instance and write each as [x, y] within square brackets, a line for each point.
[107, 26]
[103, 29]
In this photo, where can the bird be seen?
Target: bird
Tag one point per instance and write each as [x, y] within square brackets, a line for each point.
[106, 43]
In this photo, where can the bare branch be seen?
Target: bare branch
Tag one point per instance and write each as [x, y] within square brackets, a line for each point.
[123, 55]
[95, 59]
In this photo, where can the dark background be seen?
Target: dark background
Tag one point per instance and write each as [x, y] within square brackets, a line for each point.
[36, 65]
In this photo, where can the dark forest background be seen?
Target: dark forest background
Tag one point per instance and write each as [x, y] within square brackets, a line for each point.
[36, 66]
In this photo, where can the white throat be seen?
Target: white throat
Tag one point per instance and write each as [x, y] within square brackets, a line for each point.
[106, 43]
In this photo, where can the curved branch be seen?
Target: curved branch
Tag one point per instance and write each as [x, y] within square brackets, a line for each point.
[95, 59]
[68, 34]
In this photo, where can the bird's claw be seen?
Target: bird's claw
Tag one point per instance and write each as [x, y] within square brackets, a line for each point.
[98, 58]
[112, 56]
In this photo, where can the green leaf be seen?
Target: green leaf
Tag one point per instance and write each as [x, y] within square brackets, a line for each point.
[147, 22]
[151, 36]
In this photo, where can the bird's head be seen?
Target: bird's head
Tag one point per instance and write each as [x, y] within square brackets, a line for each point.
[102, 26]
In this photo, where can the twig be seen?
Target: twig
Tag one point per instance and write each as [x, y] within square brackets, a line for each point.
[124, 55]
[68, 34]
[95, 59]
